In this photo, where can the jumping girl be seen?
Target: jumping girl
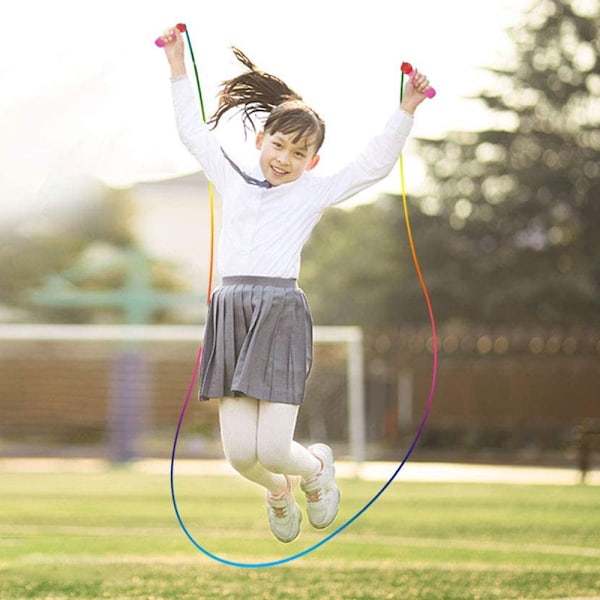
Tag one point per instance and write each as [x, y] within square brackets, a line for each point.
[257, 350]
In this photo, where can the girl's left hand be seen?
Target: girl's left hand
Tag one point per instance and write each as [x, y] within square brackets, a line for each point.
[414, 91]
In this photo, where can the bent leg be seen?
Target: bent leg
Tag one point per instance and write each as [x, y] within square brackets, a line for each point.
[238, 418]
[275, 447]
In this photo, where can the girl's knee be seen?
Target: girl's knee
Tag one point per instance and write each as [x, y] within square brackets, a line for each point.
[241, 463]
[241, 458]
[273, 459]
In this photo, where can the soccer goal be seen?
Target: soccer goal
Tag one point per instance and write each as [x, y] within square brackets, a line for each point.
[117, 391]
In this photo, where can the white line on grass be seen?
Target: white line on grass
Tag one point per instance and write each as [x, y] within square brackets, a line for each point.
[332, 563]
[363, 539]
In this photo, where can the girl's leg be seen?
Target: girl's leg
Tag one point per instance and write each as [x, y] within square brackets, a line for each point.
[276, 449]
[258, 442]
[239, 433]
[279, 453]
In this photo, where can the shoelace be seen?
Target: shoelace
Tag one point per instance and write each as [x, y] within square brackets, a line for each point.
[280, 512]
[314, 496]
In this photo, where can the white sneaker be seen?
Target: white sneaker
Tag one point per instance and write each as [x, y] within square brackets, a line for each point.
[322, 494]
[284, 514]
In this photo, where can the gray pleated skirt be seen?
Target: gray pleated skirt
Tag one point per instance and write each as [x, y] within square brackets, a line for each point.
[257, 341]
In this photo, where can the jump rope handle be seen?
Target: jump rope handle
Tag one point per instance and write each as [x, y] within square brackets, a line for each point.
[160, 42]
[407, 69]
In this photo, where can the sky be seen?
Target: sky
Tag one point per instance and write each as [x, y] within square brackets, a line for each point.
[85, 92]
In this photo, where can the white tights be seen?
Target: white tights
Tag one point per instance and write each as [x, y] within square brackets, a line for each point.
[258, 442]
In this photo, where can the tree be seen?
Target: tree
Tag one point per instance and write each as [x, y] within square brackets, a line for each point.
[524, 198]
[345, 265]
[507, 231]
[357, 268]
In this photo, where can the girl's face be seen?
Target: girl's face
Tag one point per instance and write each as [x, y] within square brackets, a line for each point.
[281, 160]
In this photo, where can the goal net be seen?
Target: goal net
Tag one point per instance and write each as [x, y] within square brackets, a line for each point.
[117, 392]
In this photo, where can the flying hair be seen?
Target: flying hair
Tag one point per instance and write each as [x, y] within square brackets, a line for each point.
[254, 93]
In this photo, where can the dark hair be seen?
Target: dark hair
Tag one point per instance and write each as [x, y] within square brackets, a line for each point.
[255, 92]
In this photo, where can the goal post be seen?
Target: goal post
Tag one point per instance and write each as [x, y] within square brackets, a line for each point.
[123, 340]
[352, 336]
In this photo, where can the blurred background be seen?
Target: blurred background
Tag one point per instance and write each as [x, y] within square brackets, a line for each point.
[104, 233]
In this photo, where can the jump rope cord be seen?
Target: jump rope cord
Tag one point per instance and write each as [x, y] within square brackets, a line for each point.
[211, 192]
[351, 520]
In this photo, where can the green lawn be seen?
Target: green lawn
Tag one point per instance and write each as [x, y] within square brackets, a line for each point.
[113, 535]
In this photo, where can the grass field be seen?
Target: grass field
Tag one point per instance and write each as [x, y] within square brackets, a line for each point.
[113, 535]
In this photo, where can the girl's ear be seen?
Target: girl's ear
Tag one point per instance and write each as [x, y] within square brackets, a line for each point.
[259, 139]
[313, 163]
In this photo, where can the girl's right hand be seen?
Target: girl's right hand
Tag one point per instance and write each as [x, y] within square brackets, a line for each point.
[174, 51]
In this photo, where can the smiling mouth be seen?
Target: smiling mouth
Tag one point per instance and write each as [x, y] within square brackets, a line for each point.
[279, 172]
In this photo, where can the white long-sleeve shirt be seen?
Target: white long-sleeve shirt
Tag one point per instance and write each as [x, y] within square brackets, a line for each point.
[264, 230]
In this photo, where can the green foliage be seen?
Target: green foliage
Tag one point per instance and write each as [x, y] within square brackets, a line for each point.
[353, 266]
[507, 231]
[523, 198]
[358, 268]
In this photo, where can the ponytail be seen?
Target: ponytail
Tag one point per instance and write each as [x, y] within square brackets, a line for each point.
[253, 92]
[256, 92]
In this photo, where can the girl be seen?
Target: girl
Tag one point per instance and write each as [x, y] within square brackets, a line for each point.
[258, 338]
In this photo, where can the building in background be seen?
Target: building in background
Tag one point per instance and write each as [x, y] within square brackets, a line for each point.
[172, 222]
